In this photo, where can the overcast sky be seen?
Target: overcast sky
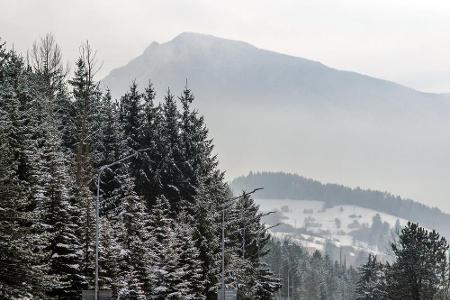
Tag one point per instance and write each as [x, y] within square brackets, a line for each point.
[403, 41]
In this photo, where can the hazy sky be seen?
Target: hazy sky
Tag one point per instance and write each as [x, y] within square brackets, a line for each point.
[404, 41]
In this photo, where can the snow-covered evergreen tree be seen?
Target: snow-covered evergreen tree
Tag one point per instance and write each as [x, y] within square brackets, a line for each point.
[86, 118]
[164, 266]
[372, 282]
[420, 270]
[109, 252]
[59, 218]
[14, 252]
[131, 235]
[171, 174]
[191, 285]
[250, 238]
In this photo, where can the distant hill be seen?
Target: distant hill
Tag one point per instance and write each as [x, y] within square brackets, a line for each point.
[271, 111]
[279, 185]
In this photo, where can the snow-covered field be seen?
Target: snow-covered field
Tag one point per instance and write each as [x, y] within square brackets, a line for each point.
[321, 224]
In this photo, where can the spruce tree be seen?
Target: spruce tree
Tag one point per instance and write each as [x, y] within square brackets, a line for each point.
[147, 179]
[206, 235]
[420, 270]
[59, 217]
[109, 253]
[202, 186]
[372, 282]
[189, 264]
[250, 239]
[131, 235]
[112, 148]
[165, 257]
[21, 233]
[85, 148]
[171, 174]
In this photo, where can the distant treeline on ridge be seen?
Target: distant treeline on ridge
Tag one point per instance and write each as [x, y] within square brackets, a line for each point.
[291, 186]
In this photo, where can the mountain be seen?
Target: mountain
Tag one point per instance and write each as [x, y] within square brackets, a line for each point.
[214, 66]
[323, 215]
[268, 110]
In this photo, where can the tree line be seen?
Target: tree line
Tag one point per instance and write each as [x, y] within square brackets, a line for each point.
[160, 210]
[312, 276]
[418, 269]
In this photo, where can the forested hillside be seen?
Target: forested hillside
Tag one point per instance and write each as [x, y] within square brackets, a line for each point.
[160, 190]
[291, 186]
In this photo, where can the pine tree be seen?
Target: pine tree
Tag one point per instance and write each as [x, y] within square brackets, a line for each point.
[131, 119]
[202, 186]
[148, 182]
[109, 253]
[250, 237]
[112, 148]
[51, 185]
[86, 97]
[165, 259]
[372, 282]
[206, 235]
[59, 217]
[266, 284]
[171, 174]
[189, 265]
[131, 235]
[421, 266]
[22, 273]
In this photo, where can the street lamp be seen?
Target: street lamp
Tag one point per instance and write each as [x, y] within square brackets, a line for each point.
[97, 203]
[223, 235]
[289, 269]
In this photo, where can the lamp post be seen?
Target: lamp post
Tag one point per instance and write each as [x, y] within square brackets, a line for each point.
[223, 235]
[289, 269]
[97, 204]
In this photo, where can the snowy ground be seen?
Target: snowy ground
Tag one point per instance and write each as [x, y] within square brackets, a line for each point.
[332, 224]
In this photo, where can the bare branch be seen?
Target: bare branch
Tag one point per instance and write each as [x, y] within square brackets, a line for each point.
[89, 57]
[46, 59]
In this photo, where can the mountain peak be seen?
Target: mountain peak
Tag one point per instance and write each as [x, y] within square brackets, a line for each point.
[187, 35]
[201, 39]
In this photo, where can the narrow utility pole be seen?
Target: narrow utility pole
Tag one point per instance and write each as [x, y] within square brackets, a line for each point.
[97, 202]
[279, 279]
[223, 253]
[243, 235]
[288, 285]
[289, 270]
[293, 287]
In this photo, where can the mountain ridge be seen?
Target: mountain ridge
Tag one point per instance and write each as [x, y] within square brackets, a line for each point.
[188, 39]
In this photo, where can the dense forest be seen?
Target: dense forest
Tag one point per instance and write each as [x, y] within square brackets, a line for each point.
[161, 194]
[291, 186]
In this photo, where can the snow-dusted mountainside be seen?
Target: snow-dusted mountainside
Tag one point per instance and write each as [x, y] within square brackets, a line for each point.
[272, 111]
[316, 226]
